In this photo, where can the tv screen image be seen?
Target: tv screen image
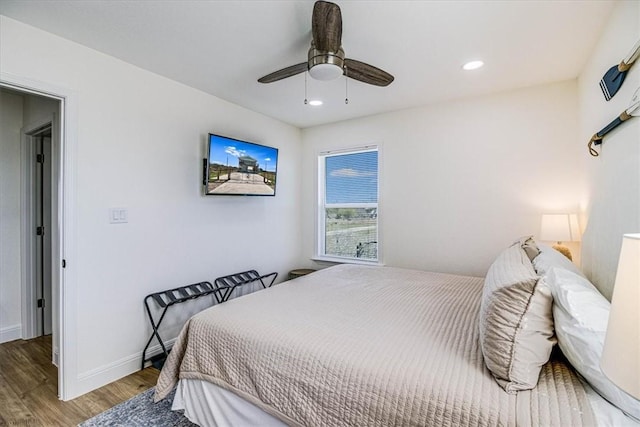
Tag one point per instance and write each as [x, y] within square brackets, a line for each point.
[240, 168]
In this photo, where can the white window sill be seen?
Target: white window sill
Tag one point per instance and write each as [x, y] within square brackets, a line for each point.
[338, 260]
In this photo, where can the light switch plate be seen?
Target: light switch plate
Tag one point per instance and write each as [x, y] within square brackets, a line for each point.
[118, 215]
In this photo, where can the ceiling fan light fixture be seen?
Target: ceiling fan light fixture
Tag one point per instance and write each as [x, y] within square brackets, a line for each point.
[315, 102]
[325, 65]
[325, 71]
[472, 65]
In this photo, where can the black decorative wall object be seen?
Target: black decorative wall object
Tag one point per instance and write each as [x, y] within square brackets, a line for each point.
[632, 111]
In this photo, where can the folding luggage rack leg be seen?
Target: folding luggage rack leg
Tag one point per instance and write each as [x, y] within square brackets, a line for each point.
[164, 300]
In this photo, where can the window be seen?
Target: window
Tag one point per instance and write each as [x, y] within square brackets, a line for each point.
[348, 205]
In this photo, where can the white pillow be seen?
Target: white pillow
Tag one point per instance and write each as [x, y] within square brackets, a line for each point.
[549, 258]
[581, 315]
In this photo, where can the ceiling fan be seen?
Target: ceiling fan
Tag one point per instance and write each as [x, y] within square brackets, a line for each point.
[326, 60]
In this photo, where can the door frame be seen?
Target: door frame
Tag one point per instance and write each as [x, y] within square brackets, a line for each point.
[64, 248]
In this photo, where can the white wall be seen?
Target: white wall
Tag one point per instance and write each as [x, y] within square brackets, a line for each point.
[11, 107]
[462, 180]
[140, 143]
[38, 108]
[613, 200]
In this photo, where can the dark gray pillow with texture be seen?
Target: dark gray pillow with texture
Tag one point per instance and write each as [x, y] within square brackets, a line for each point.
[529, 246]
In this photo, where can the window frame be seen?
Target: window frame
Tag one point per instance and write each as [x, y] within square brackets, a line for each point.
[322, 206]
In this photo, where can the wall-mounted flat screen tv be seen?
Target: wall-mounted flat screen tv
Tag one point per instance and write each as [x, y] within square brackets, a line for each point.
[240, 168]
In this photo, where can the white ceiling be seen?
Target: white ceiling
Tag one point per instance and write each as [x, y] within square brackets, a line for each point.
[223, 47]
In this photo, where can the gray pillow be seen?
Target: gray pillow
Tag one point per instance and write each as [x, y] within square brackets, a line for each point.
[516, 322]
[529, 246]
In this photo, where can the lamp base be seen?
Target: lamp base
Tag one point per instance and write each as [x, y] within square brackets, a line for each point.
[563, 250]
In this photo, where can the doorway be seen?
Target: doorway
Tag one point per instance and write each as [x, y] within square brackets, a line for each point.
[40, 228]
[31, 142]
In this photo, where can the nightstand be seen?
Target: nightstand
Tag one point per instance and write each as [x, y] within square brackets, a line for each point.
[294, 274]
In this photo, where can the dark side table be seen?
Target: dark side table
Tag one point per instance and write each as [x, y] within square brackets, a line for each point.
[299, 272]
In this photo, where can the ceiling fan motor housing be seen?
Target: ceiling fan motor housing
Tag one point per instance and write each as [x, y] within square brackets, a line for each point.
[325, 65]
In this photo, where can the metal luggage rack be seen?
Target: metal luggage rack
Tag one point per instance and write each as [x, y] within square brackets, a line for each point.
[221, 290]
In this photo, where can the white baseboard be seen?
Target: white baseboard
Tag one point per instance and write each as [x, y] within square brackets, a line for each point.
[56, 357]
[10, 333]
[103, 375]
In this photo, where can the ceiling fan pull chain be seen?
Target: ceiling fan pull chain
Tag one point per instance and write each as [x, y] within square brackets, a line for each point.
[346, 85]
[305, 89]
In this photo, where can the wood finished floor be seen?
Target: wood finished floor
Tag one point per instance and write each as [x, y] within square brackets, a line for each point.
[28, 388]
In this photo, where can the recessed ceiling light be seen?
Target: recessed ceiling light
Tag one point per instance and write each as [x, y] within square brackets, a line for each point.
[472, 65]
[315, 102]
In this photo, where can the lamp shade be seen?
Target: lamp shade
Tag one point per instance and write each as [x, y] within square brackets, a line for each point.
[560, 228]
[621, 354]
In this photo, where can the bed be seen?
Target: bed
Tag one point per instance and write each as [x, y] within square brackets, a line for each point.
[362, 346]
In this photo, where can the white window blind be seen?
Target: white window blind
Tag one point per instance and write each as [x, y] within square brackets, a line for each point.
[348, 205]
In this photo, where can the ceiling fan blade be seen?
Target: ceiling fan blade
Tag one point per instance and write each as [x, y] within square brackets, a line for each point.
[326, 26]
[284, 73]
[366, 73]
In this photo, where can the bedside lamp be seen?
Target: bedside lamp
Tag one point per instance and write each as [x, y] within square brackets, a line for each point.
[560, 228]
[621, 354]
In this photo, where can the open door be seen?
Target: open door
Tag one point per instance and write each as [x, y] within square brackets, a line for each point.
[42, 230]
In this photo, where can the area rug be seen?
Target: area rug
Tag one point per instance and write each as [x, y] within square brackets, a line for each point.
[140, 411]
